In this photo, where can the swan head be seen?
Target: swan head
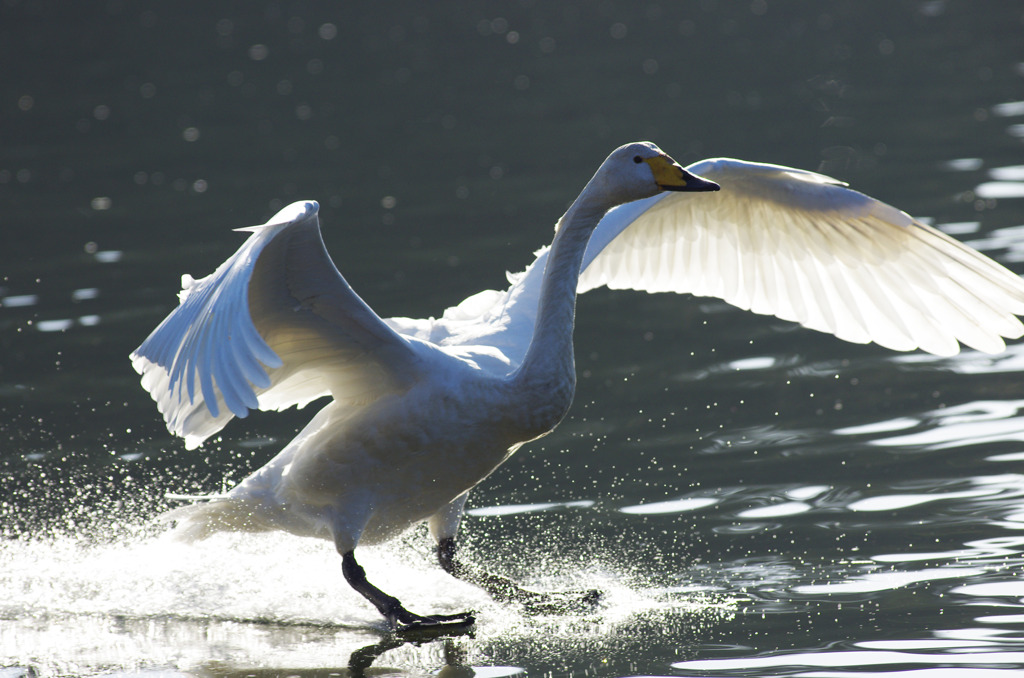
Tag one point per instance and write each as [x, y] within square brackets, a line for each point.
[640, 170]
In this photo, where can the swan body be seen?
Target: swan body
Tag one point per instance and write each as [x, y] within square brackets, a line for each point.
[423, 410]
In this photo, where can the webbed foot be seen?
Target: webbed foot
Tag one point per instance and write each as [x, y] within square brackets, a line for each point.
[505, 590]
[411, 625]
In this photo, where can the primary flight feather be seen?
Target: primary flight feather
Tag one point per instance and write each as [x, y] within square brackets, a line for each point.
[424, 410]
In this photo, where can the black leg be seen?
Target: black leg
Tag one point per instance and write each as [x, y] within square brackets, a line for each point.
[505, 590]
[399, 618]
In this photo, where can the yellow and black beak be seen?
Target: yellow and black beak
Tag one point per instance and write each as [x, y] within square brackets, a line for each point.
[671, 177]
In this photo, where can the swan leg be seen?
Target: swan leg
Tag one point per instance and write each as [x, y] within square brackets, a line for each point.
[505, 590]
[399, 619]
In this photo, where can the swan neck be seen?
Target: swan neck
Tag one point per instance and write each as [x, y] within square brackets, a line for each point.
[549, 364]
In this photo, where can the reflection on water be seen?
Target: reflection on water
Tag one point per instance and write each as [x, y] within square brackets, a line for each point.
[960, 656]
[975, 423]
[276, 601]
[1000, 189]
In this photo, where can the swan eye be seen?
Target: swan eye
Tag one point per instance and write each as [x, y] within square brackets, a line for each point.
[637, 159]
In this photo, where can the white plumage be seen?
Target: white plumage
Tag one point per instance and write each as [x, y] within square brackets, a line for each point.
[803, 247]
[423, 410]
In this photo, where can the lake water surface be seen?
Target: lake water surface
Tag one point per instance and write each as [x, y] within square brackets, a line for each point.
[754, 498]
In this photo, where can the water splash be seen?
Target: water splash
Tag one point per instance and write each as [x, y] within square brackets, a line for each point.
[146, 603]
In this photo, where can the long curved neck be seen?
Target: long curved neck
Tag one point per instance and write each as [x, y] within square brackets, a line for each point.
[549, 361]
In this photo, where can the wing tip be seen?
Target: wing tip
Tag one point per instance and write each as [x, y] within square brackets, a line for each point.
[294, 213]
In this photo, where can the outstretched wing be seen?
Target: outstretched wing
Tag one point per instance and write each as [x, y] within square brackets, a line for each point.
[803, 247]
[275, 325]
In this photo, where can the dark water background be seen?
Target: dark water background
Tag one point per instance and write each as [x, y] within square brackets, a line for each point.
[755, 498]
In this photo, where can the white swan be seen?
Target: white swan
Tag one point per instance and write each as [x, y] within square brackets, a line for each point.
[424, 410]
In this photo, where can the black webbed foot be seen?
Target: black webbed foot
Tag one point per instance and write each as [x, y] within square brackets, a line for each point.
[408, 624]
[505, 590]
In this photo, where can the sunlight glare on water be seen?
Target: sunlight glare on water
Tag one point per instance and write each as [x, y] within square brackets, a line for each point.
[264, 600]
[863, 658]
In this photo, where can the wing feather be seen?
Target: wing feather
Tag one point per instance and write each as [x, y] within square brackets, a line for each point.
[804, 247]
[274, 326]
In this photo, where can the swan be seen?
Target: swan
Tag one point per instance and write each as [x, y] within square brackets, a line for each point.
[423, 410]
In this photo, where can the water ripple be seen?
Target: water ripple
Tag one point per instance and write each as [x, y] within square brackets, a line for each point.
[861, 658]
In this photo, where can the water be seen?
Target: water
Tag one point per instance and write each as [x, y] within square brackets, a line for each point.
[754, 498]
